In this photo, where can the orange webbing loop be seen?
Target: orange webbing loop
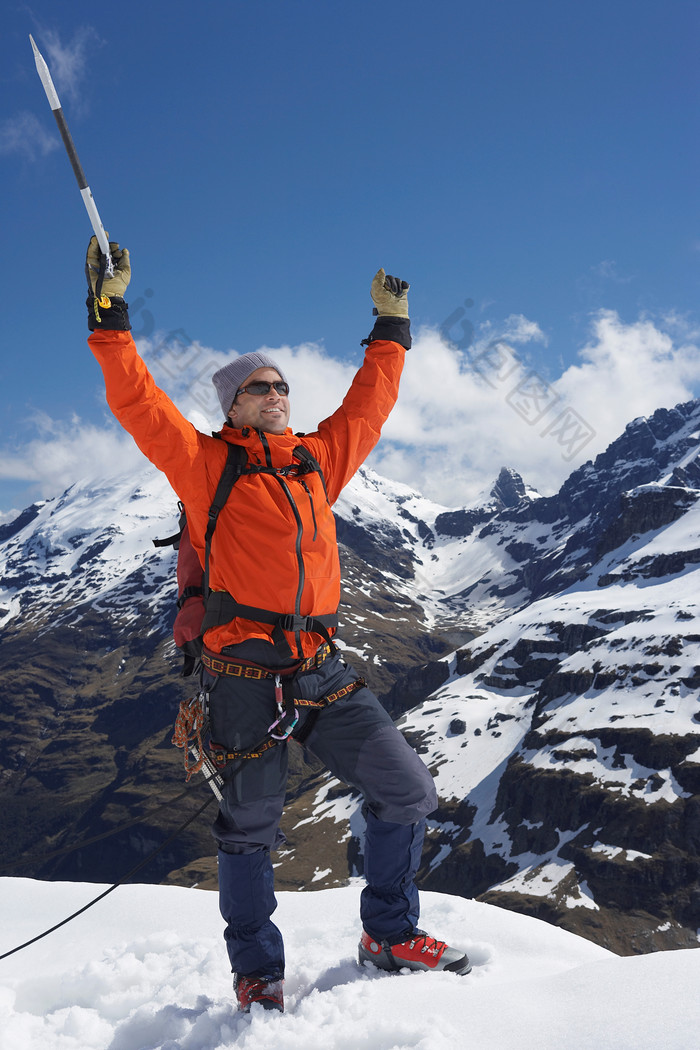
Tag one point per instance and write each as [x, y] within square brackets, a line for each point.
[188, 732]
[329, 698]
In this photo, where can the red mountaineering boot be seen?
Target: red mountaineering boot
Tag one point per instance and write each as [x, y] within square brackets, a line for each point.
[418, 952]
[251, 990]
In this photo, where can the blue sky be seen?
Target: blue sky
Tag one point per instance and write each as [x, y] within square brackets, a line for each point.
[530, 168]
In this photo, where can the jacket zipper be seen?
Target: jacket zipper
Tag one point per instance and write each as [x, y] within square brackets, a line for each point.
[266, 447]
[300, 556]
[311, 504]
[300, 531]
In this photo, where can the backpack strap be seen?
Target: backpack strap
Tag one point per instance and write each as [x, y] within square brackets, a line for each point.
[308, 465]
[169, 541]
[236, 460]
[189, 592]
[174, 540]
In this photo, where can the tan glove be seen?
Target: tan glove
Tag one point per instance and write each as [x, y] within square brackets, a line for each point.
[111, 286]
[389, 295]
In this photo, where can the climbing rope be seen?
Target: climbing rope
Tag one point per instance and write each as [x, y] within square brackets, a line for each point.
[124, 878]
[187, 733]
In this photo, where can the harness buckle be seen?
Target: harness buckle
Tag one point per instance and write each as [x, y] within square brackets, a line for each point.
[292, 622]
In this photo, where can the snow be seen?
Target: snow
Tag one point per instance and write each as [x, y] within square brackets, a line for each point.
[598, 761]
[86, 553]
[146, 970]
[488, 740]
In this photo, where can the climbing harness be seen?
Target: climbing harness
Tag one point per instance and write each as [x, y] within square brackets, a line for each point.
[284, 725]
[192, 720]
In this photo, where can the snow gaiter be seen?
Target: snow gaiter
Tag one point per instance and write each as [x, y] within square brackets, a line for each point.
[389, 905]
[247, 900]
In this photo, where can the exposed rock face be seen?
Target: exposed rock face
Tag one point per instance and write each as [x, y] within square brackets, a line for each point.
[552, 689]
[509, 490]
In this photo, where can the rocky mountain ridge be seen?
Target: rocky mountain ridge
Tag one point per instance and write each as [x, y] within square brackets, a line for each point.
[542, 653]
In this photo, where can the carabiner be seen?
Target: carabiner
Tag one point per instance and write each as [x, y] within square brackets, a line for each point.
[283, 714]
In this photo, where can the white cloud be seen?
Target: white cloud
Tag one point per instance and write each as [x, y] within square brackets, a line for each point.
[461, 415]
[9, 515]
[26, 136]
[515, 329]
[68, 62]
[490, 409]
[629, 370]
[608, 271]
[62, 452]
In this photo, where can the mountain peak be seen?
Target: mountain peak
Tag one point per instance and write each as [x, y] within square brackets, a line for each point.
[509, 488]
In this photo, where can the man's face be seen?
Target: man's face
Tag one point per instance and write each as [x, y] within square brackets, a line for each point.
[268, 412]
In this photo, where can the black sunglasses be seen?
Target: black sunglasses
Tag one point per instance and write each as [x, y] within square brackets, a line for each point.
[260, 388]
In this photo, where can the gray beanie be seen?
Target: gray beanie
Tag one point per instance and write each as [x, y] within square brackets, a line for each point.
[229, 379]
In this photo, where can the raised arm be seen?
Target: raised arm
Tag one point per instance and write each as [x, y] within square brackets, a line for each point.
[159, 429]
[343, 441]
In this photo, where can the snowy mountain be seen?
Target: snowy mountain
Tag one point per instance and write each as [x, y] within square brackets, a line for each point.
[541, 652]
[146, 969]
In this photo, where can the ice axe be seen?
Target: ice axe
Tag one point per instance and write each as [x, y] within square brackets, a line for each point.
[85, 191]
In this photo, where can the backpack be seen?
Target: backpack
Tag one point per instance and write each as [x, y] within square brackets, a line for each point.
[193, 581]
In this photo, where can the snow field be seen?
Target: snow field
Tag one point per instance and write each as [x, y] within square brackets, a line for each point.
[146, 970]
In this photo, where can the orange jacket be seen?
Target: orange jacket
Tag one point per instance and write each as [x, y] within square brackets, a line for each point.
[273, 548]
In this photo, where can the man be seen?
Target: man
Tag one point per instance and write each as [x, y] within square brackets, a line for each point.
[269, 663]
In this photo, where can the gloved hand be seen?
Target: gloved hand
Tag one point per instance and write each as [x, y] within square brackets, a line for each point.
[111, 286]
[389, 295]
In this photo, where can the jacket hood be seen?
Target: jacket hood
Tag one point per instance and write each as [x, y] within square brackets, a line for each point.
[262, 447]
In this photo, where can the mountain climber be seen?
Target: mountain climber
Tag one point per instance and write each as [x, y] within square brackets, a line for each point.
[275, 548]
